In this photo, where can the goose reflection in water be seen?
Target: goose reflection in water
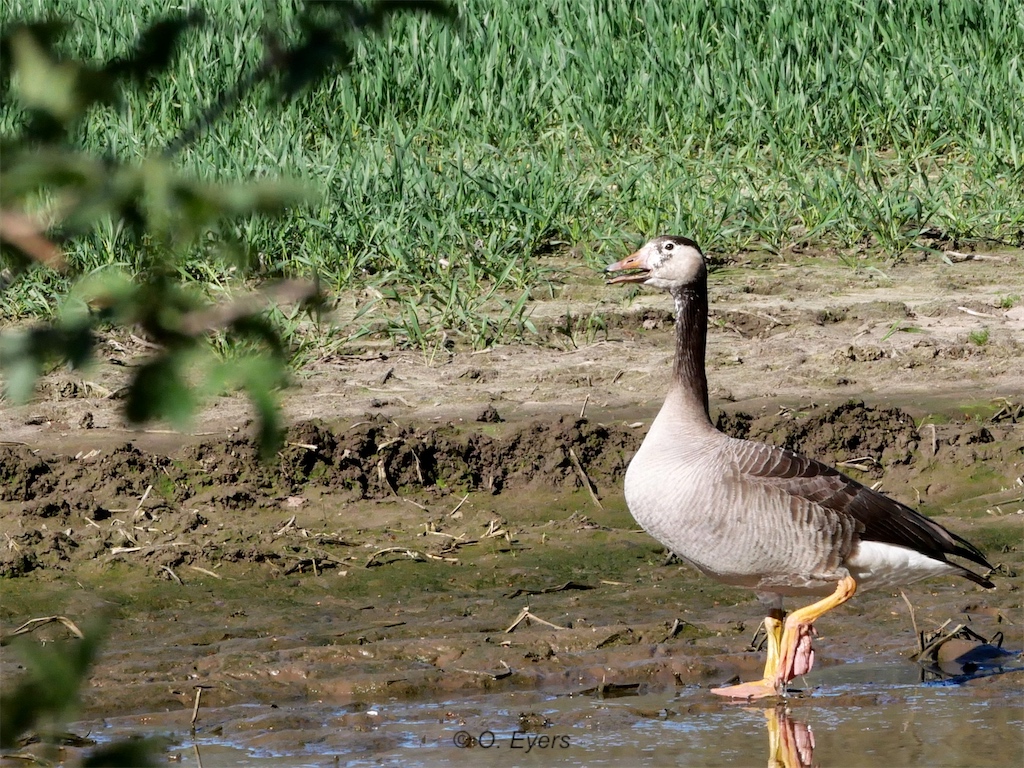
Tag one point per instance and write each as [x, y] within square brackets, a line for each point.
[790, 741]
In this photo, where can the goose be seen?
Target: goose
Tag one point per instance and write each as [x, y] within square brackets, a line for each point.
[756, 516]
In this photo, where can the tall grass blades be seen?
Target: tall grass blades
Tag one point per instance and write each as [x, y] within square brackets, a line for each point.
[452, 156]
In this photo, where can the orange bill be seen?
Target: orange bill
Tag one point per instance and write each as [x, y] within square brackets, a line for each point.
[636, 261]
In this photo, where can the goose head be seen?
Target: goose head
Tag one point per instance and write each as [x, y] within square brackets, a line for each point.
[669, 262]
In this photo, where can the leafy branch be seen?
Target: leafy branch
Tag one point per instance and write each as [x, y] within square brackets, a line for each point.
[52, 193]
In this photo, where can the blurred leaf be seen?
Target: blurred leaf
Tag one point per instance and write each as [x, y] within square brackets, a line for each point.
[25, 233]
[130, 753]
[321, 52]
[231, 200]
[155, 47]
[326, 26]
[23, 353]
[45, 32]
[20, 379]
[384, 8]
[46, 695]
[60, 90]
[160, 391]
[260, 375]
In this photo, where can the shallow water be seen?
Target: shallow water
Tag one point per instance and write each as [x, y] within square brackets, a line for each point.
[854, 714]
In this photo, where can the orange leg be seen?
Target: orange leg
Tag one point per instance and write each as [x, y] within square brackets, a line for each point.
[791, 655]
[773, 628]
[796, 638]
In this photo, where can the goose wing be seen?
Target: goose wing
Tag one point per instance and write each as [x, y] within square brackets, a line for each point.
[877, 517]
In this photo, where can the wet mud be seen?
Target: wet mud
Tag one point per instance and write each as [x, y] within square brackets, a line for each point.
[378, 562]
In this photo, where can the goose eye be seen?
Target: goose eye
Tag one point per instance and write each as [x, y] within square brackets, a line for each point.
[669, 246]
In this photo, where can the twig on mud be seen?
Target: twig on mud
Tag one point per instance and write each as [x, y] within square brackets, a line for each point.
[974, 312]
[142, 501]
[859, 462]
[586, 400]
[453, 542]
[913, 620]
[413, 554]
[177, 432]
[459, 540]
[33, 624]
[583, 477]
[206, 571]
[415, 504]
[525, 615]
[549, 590]
[957, 256]
[307, 446]
[361, 631]
[609, 689]
[507, 672]
[326, 556]
[382, 475]
[458, 506]
[312, 556]
[938, 639]
[286, 526]
[935, 442]
[173, 574]
[678, 624]
[120, 527]
[759, 638]
[495, 529]
[147, 548]
[195, 708]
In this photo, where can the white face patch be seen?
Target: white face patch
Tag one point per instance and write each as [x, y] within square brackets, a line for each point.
[672, 263]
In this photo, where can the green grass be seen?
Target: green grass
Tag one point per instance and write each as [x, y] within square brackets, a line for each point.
[979, 337]
[461, 164]
[1008, 302]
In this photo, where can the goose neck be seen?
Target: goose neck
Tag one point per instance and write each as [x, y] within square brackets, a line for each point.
[689, 379]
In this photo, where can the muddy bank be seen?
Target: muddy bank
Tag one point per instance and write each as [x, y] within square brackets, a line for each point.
[373, 558]
[213, 501]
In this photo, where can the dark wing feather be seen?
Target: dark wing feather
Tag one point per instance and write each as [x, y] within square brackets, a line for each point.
[878, 517]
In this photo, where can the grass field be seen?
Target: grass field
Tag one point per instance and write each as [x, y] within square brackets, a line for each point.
[462, 166]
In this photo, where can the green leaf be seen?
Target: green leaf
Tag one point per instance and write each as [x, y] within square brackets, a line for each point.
[46, 695]
[20, 379]
[160, 391]
[60, 90]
